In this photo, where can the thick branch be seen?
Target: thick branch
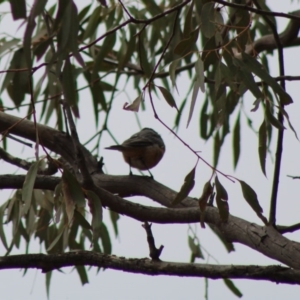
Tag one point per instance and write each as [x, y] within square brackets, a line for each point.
[50, 262]
[265, 240]
[56, 141]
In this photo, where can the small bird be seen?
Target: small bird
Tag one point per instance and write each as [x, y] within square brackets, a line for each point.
[143, 150]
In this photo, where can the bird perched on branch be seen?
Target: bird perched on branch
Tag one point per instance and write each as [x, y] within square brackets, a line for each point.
[143, 150]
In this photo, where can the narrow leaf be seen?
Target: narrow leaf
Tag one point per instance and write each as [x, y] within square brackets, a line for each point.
[274, 121]
[186, 45]
[254, 66]
[105, 239]
[48, 280]
[262, 146]
[172, 71]
[195, 248]
[193, 101]
[28, 187]
[228, 245]
[199, 67]
[250, 196]
[229, 283]
[168, 97]
[207, 191]
[187, 186]
[69, 84]
[73, 195]
[207, 17]
[222, 200]
[114, 217]
[96, 211]
[236, 141]
[82, 274]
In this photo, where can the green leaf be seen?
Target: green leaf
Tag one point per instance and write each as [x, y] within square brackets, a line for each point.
[105, 239]
[48, 280]
[250, 196]
[82, 274]
[199, 67]
[57, 238]
[195, 248]
[106, 47]
[172, 71]
[186, 45]
[188, 26]
[236, 141]
[2, 233]
[217, 148]
[96, 211]
[208, 26]
[207, 191]
[228, 245]
[18, 9]
[274, 121]
[262, 146]
[93, 23]
[229, 283]
[254, 66]
[187, 186]
[222, 200]
[246, 76]
[69, 84]
[17, 79]
[114, 217]
[168, 97]
[73, 194]
[81, 220]
[193, 101]
[28, 186]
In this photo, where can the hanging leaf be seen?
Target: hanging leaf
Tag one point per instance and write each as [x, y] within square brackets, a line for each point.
[208, 26]
[73, 195]
[195, 249]
[48, 280]
[28, 186]
[193, 101]
[186, 45]
[236, 141]
[105, 239]
[254, 66]
[168, 97]
[228, 245]
[229, 283]
[251, 198]
[222, 200]
[187, 186]
[96, 211]
[172, 71]
[199, 67]
[207, 191]
[262, 146]
[274, 121]
[82, 274]
[114, 217]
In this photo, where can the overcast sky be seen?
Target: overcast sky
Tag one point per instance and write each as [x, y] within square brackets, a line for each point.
[177, 162]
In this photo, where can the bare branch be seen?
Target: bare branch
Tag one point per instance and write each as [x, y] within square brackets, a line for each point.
[50, 262]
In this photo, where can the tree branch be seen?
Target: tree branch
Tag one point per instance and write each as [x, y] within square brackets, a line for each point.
[264, 239]
[50, 262]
